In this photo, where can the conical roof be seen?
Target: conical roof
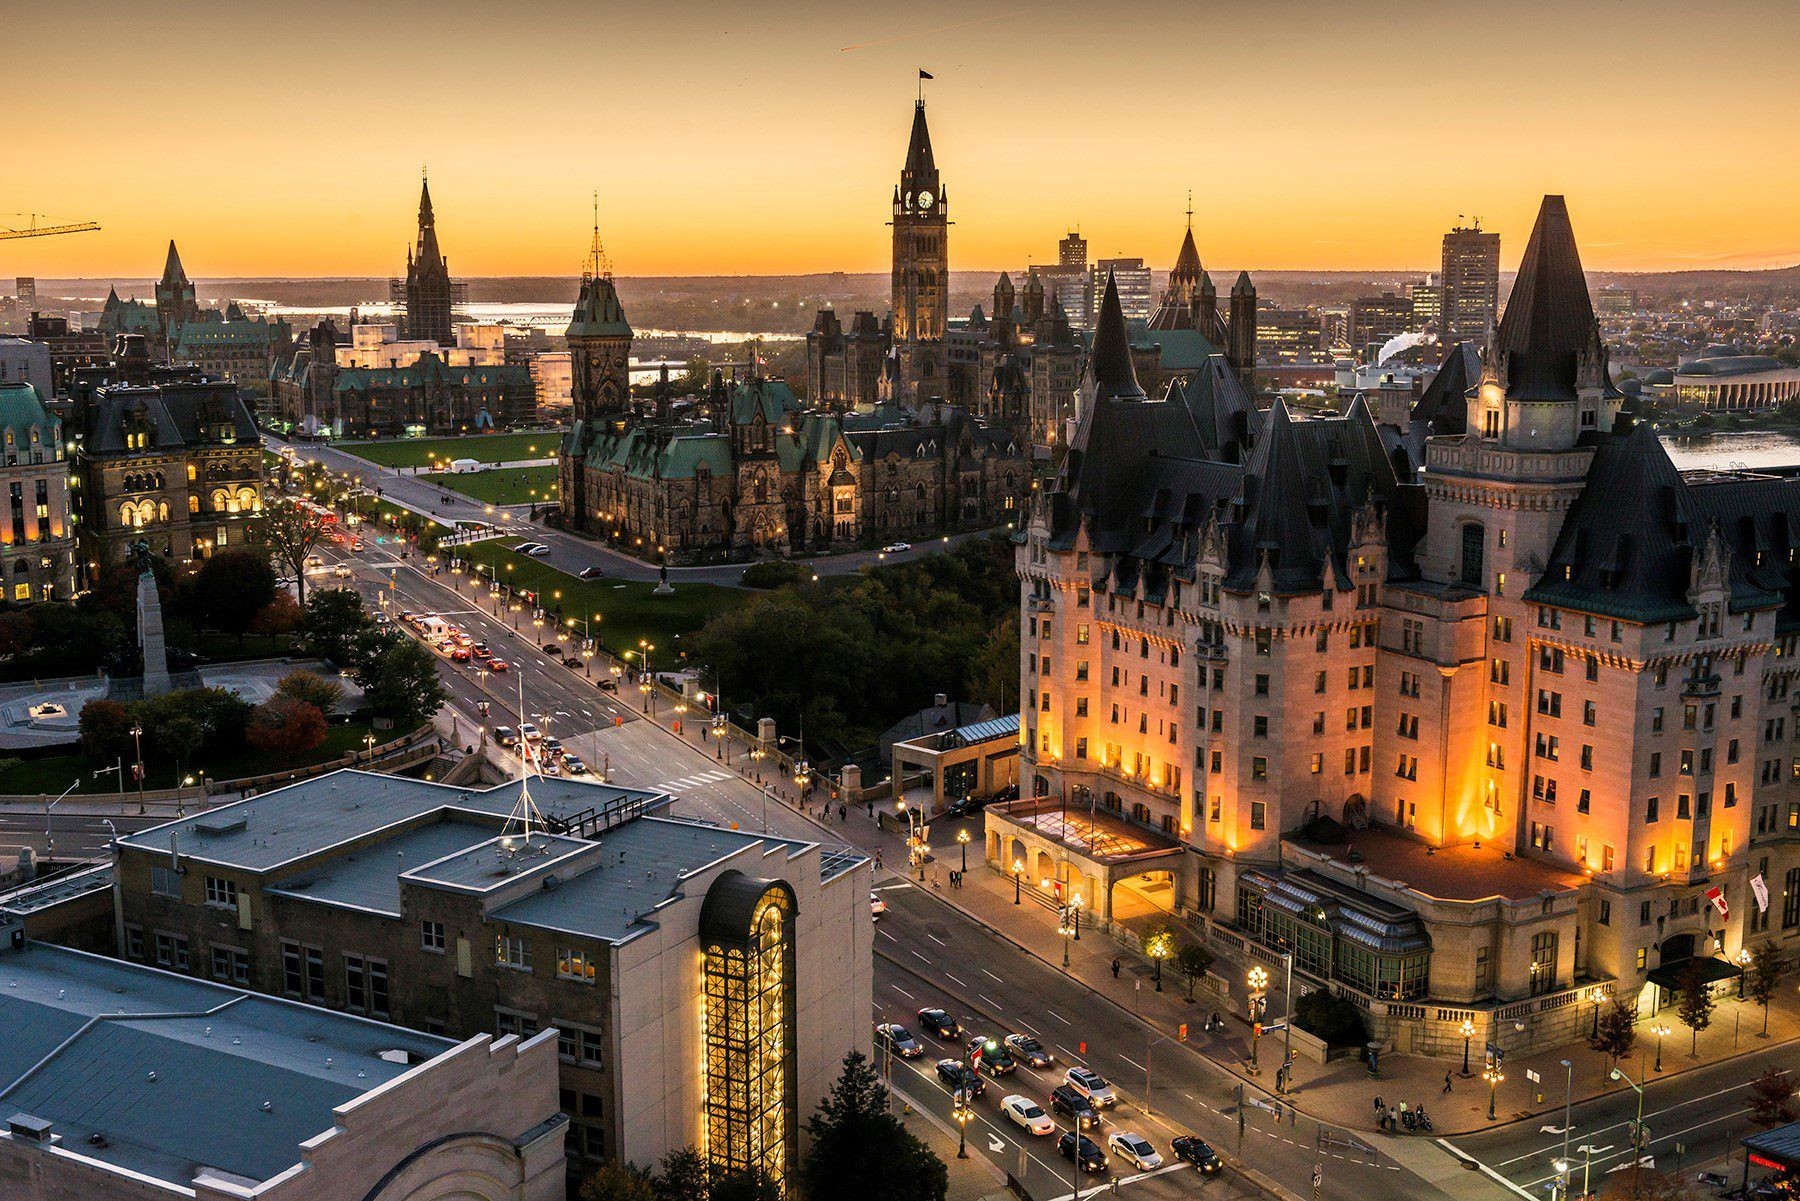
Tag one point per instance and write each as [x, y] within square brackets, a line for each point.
[1187, 268]
[598, 313]
[1109, 366]
[172, 265]
[920, 165]
[1549, 320]
[429, 257]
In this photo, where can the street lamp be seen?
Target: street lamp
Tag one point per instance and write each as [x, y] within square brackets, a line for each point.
[1597, 994]
[1065, 929]
[1493, 1077]
[962, 842]
[1743, 961]
[962, 1113]
[1468, 1032]
[1661, 1031]
[1259, 982]
[1637, 1132]
[369, 741]
[1018, 870]
[137, 736]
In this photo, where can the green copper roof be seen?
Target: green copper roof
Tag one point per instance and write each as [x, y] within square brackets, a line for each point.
[773, 397]
[21, 412]
[598, 313]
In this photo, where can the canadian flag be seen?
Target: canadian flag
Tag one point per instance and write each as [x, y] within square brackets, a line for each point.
[1716, 895]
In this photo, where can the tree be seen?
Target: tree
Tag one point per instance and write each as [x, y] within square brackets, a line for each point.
[284, 725]
[861, 1150]
[402, 683]
[334, 619]
[618, 1182]
[311, 687]
[288, 531]
[280, 616]
[105, 730]
[996, 668]
[743, 1185]
[1661, 1186]
[1694, 1003]
[1772, 1098]
[1335, 1019]
[1193, 961]
[231, 588]
[1618, 1029]
[1763, 978]
[683, 1176]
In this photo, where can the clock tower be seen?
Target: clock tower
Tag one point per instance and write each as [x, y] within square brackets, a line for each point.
[921, 282]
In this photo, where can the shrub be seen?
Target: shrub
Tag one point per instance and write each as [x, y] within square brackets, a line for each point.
[285, 725]
[105, 730]
[317, 691]
[775, 573]
[1332, 1018]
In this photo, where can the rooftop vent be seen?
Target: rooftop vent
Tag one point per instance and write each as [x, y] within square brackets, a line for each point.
[219, 824]
[30, 1126]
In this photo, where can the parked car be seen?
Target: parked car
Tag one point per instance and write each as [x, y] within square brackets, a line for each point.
[965, 806]
[607, 684]
[996, 1060]
[572, 662]
[1191, 1149]
[1083, 1150]
[1074, 1106]
[937, 1022]
[538, 550]
[506, 736]
[957, 1076]
[1136, 1149]
[1093, 1086]
[497, 665]
[553, 650]
[526, 548]
[898, 1039]
[1029, 1114]
[896, 548]
[877, 906]
[591, 573]
[574, 765]
[1028, 1049]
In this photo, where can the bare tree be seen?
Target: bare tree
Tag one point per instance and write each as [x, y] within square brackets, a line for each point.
[289, 531]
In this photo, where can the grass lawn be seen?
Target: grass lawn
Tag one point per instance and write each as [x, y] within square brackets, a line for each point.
[512, 486]
[488, 448]
[53, 773]
[628, 611]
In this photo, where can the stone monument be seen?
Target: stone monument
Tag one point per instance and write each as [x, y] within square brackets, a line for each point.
[150, 626]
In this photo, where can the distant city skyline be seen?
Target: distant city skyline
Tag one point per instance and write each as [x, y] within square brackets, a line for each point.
[763, 142]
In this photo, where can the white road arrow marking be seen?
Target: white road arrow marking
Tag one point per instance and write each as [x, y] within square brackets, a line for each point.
[994, 1143]
[1551, 1129]
[1649, 1161]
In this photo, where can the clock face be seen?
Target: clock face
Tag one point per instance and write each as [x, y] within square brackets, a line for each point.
[925, 199]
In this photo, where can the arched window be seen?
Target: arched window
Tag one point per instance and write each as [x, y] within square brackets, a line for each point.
[248, 501]
[222, 501]
[162, 511]
[128, 514]
[193, 503]
[193, 473]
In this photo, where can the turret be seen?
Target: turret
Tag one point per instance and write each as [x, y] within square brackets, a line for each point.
[1241, 336]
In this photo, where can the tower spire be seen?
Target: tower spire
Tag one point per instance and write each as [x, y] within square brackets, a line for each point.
[597, 265]
[1190, 211]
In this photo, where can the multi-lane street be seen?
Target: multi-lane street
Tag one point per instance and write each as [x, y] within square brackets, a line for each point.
[1693, 1119]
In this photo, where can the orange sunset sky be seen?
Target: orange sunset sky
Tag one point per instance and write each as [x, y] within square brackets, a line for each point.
[732, 138]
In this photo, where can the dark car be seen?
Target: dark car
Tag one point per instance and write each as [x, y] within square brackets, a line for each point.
[958, 1076]
[1083, 1149]
[1029, 1049]
[553, 650]
[572, 661]
[1073, 1105]
[898, 1039]
[996, 1060]
[607, 685]
[937, 1022]
[506, 736]
[965, 806]
[1192, 1150]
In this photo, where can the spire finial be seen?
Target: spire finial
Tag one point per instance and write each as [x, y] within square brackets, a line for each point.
[1190, 210]
[597, 263]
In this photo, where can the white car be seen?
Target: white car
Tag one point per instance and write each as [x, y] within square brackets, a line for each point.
[896, 548]
[1093, 1086]
[529, 732]
[877, 906]
[341, 571]
[535, 549]
[1135, 1148]
[1028, 1113]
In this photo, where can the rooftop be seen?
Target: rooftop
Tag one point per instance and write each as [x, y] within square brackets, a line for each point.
[1097, 833]
[168, 1076]
[1457, 873]
[288, 824]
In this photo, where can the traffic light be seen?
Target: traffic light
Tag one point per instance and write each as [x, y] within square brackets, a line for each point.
[1181, 1033]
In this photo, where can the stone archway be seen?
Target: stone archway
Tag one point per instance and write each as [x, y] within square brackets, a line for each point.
[1356, 811]
[460, 1167]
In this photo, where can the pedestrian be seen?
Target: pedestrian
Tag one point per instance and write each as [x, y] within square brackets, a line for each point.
[1446, 1081]
[1115, 967]
[1378, 1105]
[878, 858]
[843, 813]
[871, 808]
[880, 820]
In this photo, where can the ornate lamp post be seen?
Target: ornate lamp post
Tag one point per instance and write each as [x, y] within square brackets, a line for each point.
[962, 842]
[1467, 1032]
[1597, 995]
[1258, 980]
[1743, 962]
[1493, 1077]
[1661, 1031]
[962, 1113]
[1065, 929]
[1018, 874]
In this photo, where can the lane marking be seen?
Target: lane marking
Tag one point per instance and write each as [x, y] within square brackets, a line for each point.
[1059, 1017]
[959, 983]
[991, 976]
[989, 1001]
[901, 991]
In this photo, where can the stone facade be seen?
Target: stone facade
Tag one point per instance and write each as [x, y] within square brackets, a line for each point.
[37, 539]
[164, 455]
[1551, 663]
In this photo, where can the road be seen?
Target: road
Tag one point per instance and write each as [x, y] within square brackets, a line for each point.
[72, 835]
[1704, 1110]
[567, 551]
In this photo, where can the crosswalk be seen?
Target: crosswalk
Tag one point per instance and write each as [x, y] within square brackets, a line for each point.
[686, 782]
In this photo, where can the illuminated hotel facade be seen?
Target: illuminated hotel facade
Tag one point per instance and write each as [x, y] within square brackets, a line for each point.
[1470, 714]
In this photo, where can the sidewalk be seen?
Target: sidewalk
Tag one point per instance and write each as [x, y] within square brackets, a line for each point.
[972, 1179]
[1339, 1093]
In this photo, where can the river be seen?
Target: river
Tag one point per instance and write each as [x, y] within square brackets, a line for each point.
[1745, 449]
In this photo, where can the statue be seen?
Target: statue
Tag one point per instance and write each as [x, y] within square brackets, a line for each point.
[140, 551]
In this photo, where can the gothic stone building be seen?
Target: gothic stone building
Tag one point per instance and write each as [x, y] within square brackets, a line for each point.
[162, 454]
[1477, 711]
[37, 539]
[760, 475]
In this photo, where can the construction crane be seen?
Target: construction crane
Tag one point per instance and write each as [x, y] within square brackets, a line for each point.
[34, 230]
